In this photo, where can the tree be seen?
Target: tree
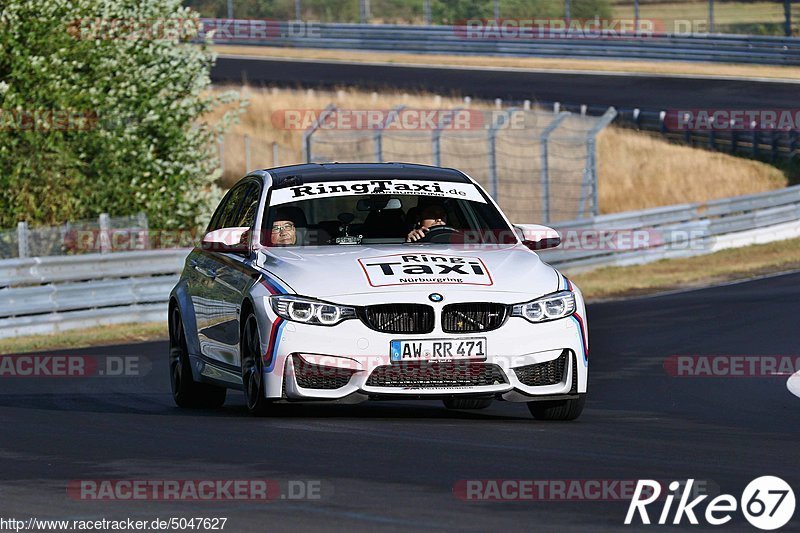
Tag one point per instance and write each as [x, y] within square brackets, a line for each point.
[100, 108]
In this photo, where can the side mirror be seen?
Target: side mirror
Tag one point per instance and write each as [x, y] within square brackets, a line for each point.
[228, 240]
[537, 237]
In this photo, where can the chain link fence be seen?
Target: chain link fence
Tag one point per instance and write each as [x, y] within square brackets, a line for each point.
[538, 165]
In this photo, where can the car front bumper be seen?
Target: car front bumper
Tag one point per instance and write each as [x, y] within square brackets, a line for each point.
[351, 362]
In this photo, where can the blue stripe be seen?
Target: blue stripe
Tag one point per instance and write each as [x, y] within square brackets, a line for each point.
[583, 343]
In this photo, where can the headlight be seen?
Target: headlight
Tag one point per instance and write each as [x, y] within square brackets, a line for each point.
[309, 311]
[550, 307]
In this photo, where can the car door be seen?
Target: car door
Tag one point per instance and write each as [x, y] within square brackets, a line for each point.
[221, 280]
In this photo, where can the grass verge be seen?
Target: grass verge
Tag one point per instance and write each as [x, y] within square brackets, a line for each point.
[601, 284]
[81, 338]
[705, 70]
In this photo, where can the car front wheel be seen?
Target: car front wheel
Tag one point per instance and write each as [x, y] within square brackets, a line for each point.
[253, 369]
[558, 409]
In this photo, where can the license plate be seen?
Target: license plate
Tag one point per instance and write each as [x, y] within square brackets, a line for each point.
[438, 350]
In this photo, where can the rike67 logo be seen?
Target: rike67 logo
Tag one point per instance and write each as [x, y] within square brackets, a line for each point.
[414, 268]
[767, 502]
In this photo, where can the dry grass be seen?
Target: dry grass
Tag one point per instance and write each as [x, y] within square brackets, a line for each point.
[536, 63]
[726, 265]
[636, 170]
[79, 338]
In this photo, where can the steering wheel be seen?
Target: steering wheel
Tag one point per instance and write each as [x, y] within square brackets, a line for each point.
[439, 234]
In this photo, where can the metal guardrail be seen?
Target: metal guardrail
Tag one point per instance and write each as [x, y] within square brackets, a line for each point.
[456, 40]
[51, 294]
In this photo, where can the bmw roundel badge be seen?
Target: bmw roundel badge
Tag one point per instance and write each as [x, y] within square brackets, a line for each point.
[435, 297]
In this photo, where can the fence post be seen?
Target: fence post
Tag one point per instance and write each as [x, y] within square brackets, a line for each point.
[494, 188]
[22, 239]
[591, 159]
[426, 11]
[545, 164]
[379, 132]
[221, 142]
[105, 237]
[247, 153]
[307, 154]
[712, 137]
[298, 10]
[436, 137]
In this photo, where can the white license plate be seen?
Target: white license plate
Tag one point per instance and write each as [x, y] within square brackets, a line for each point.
[438, 350]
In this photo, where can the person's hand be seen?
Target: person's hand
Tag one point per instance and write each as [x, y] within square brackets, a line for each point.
[416, 234]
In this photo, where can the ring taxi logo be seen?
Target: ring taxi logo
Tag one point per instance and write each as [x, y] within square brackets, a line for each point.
[767, 502]
[411, 269]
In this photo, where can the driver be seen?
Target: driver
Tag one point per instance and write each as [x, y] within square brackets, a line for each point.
[430, 216]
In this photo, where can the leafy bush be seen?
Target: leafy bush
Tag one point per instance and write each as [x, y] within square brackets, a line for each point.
[99, 112]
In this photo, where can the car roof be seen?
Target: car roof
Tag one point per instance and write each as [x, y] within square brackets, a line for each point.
[314, 172]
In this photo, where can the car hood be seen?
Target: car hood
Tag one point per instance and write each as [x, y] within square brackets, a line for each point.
[356, 274]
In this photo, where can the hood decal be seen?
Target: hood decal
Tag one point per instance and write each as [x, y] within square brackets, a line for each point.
[425, 269]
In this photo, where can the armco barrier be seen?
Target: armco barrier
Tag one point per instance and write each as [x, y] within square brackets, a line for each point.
[456, 40]
[51, 294]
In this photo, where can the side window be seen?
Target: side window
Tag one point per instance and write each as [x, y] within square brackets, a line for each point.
[228, 208]
[246, 214]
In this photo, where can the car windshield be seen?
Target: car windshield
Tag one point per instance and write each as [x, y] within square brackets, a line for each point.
[379, 211]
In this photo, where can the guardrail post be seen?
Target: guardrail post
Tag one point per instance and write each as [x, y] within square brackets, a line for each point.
[545, 163]
[22, 239]
[436, 136]
[105, 237]
[307, 155]
[379, 132]
[141, 220]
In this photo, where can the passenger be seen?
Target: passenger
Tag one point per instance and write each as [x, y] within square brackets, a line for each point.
[284, 228]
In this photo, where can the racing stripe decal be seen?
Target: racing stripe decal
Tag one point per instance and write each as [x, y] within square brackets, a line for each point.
[274, 340]
[569, 283]
[272, 286]
[585, 349]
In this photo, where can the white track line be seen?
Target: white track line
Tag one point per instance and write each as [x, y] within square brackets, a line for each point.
[793, 384]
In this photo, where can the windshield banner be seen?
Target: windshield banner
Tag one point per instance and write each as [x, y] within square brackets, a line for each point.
[462, 191]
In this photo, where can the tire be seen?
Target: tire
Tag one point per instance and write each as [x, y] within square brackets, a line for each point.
[558, 409]
[467, 403]
[253, 369]
[186, 392]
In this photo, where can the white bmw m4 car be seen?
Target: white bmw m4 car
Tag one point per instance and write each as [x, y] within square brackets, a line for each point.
[353, 282]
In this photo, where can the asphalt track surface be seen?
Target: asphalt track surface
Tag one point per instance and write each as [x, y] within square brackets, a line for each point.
[393, 465]
[622, 91]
